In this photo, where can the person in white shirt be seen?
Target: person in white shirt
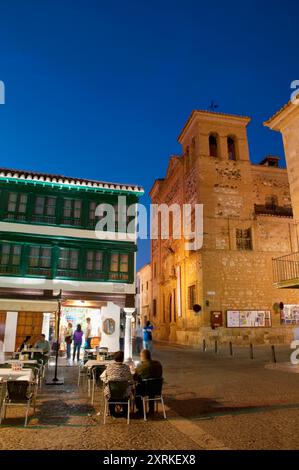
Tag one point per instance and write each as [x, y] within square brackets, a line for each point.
[87, 333]
[139, 337]
[68, 337]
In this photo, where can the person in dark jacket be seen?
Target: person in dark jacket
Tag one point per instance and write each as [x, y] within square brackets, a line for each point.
[26, 343]
[77, 337]
[147, 369]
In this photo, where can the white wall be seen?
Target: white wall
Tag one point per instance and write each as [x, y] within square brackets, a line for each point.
[111, 341]
[10, 331]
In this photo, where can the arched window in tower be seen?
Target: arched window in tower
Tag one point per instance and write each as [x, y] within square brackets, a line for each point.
[231, 148]
[213, 145]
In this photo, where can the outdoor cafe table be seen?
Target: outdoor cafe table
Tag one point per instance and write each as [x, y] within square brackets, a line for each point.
[93, 362]
[24, 374]
[29, 351]
[15, 361]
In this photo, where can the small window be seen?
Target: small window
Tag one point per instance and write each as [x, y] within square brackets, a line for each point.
[244, 239]
[44, 209]
[231, 148]
[71, 212]
[68, 262]
[39, 261]
[94, 264]
[17, 205]
[271, 202]
[213, 145]
[119, 266]
[94, 261]
[191, 296]
[10, 258]
[92, 213]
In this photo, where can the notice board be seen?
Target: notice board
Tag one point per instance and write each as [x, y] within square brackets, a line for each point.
[248, 318]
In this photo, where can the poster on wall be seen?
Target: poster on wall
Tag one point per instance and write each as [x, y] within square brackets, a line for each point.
[233, 318]
[290, 315]
[248, 318]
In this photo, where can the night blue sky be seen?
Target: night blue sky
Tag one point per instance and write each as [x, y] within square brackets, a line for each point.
[101, 89]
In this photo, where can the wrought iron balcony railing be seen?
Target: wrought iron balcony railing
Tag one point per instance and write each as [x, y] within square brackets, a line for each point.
[267, 209]
[286, 270]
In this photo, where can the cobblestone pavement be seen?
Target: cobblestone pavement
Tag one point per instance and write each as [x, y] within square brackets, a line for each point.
[213, 402]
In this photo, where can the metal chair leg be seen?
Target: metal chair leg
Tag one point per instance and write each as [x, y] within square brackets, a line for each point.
[128, 415]
[105, 411]
[27, 411]
[163, 407]
[92, 392]
[2, 411]
[144, 409]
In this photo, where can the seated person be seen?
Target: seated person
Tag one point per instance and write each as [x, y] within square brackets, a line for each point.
[25, 344]
[117, 371]
[44, 345]
[148, 369]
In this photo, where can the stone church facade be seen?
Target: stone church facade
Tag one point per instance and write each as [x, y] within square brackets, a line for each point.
[225, 289]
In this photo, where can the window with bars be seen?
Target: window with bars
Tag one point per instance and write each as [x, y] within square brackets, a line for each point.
[119, 266]
[92, 213]
[16, 206]
[71, 212]
[94, 264]
[10, 258]
[244, 239]
[191, 296]
[44, 209]
[68, 263]
[39, 260]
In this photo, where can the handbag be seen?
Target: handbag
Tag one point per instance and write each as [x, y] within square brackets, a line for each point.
[68, 339]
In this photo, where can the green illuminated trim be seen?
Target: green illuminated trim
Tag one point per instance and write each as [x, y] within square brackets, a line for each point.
[56, 244]
[71, 186]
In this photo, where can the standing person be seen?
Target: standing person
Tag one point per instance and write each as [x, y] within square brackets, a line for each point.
[87, 333]
[68, 337]
[139, 337]
[147, 336]
[77, 342]
[121, 337]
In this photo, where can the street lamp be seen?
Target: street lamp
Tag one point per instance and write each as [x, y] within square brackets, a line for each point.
[56, 380]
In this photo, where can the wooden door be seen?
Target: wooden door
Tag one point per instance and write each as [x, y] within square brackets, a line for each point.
[2, 325]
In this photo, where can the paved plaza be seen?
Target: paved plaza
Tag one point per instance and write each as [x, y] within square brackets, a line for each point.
[213, 401]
